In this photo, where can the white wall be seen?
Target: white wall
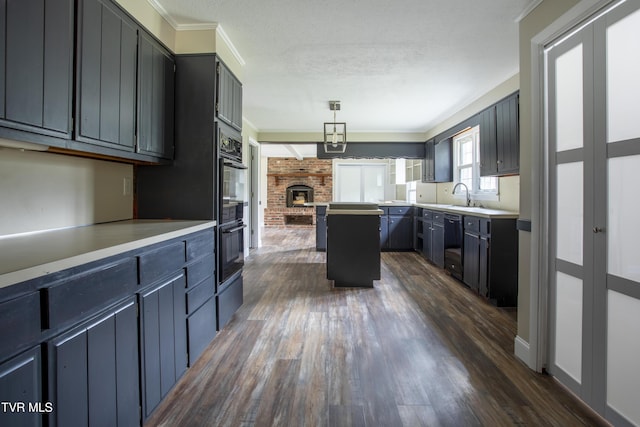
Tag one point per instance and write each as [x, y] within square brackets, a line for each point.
[40, 191]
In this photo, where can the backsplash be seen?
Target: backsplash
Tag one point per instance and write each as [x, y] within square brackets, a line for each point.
[41, 191]
[509, 195]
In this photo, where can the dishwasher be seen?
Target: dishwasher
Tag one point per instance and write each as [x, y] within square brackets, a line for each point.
[453, 244]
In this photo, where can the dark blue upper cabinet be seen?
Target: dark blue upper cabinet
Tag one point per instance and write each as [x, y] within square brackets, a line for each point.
[500, 138]
[508, 135]
[106, 84]
[156, 81]
[36, 57]
[438, 160]
[229, 103]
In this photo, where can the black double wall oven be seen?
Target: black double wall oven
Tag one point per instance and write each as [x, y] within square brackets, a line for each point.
[232, 181]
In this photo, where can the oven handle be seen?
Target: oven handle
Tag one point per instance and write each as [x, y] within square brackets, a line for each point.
[233, 230]
[234, 165]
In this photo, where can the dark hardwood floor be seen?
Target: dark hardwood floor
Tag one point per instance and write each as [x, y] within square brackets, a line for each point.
[419, 349]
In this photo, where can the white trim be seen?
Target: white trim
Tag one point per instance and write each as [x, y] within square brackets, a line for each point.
[249, 123]
[223, 35]
[163, 12]
[521, 349]
[527, 10]
[538, 302]
[196, 26]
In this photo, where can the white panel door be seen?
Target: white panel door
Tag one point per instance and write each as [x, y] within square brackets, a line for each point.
[622, 156]
[567, 197]
[360, 182]
[348, 183]
[593, 138]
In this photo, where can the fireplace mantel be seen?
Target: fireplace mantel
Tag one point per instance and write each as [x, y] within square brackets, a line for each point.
[277, 176]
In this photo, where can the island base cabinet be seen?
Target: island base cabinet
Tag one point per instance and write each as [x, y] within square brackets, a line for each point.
[321, 228]
[20, 382]
[353, 250]
[163, 335]
[93, 372]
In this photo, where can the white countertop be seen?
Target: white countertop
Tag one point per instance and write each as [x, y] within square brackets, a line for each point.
[475, 211]
[27, 256]
[462, 210]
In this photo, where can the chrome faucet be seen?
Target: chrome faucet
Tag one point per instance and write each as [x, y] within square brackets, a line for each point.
[466, 188]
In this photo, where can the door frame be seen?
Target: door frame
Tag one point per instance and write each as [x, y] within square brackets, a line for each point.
[571, 21]
[254, 194]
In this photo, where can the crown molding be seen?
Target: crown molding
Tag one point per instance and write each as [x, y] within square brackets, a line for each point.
[199, 26]
[163, 12]
[527, 10]
[223, 35]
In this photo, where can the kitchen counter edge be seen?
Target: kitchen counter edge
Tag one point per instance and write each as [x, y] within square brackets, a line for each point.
[84, 244]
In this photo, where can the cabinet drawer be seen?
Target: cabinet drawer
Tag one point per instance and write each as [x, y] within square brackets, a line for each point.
[472, 224]
[199, 270]
[83, 295]
[198, 295]
[160, 262]
[201, 327]
[385, 210]
[202, 244]
[400, 210]
[426, 214]
[438, 217]
[19, 323]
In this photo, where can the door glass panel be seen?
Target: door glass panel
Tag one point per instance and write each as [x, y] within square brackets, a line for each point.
[623, 85]
[373, 178]
[623, 230]
[348, 183]
[569, 212]
[569, 100]
[568, 340]
[623, 348]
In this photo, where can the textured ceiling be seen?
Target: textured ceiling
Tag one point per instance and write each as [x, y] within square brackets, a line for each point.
[396, 66]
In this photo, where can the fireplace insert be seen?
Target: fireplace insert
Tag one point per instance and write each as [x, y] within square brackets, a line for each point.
[299, 195]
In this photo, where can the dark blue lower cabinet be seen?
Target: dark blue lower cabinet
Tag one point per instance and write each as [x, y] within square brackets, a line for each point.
[93, 371]
[400, 233]
[163, 340]
[230, 298]
[201, 327]
[21, 390]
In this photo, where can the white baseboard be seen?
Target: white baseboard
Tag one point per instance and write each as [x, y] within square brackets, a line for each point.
[521, 350]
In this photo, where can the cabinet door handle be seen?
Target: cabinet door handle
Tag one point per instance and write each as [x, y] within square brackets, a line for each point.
[598, 230]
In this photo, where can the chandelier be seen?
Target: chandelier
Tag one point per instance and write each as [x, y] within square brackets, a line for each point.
[335, 133]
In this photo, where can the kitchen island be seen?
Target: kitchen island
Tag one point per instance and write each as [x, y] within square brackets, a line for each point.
[353, 244]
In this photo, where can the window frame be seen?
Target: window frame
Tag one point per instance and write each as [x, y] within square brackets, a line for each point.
[475, 190]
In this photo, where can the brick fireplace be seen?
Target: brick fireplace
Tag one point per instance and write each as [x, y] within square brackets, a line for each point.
[283, 173]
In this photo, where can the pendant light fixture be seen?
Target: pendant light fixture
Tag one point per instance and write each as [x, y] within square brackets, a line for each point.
[335, 133]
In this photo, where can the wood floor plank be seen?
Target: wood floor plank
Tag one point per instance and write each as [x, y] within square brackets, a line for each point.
[417, 349]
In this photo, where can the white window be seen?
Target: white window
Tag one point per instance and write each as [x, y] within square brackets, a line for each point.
[359, 182]
[466, 146]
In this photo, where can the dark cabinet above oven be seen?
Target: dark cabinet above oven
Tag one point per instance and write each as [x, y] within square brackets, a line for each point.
[229, 100]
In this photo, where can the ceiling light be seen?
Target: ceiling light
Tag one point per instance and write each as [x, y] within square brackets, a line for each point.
[335, 133]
